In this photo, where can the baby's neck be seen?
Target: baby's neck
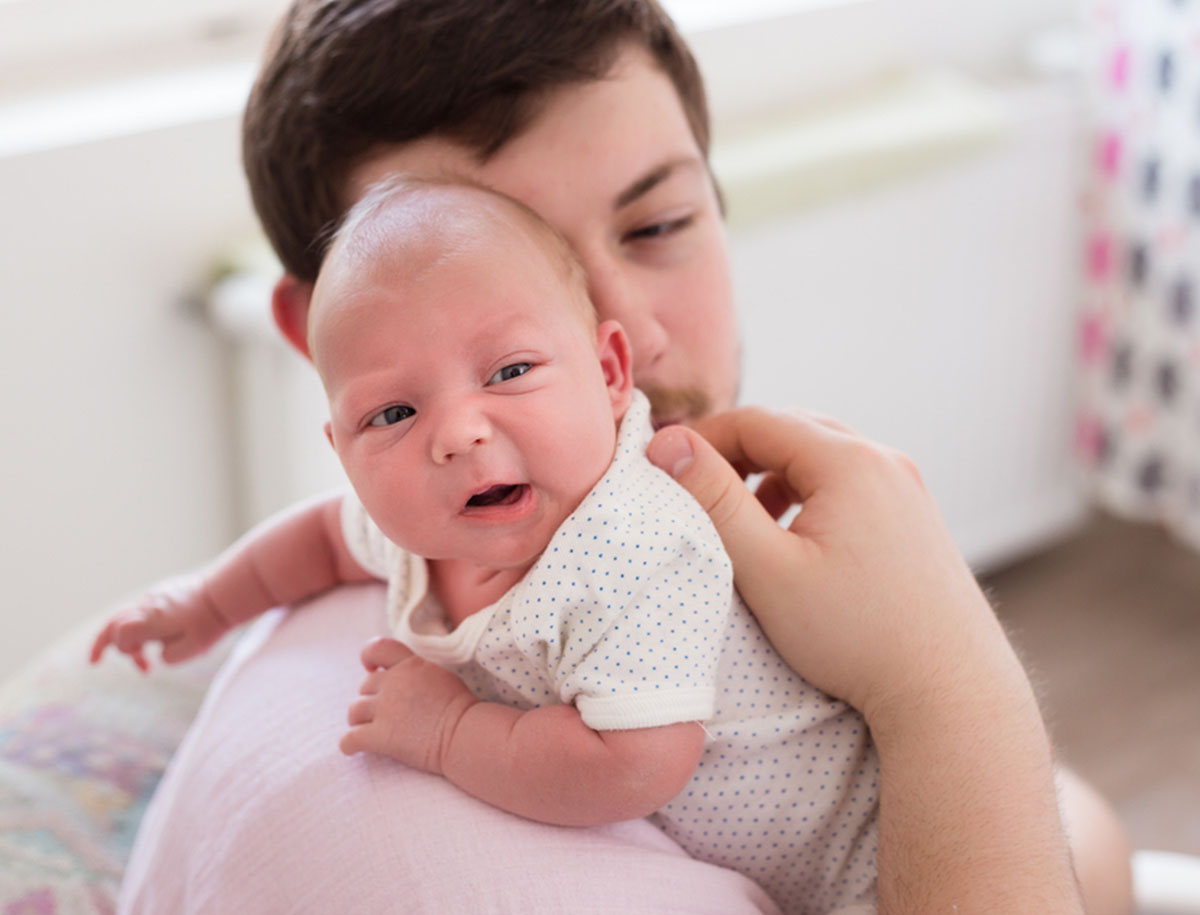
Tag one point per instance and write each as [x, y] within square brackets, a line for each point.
[463, 588]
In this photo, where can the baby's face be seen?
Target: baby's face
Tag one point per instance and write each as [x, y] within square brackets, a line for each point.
[471, 403]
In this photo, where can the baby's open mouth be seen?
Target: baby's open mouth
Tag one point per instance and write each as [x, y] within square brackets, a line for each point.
[501, 494]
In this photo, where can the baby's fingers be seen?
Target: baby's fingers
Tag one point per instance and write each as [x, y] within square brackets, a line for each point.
[114, 633]
[360, 739]
[362, 711]
[130, 638]
[140, 660]
[359, 717]
[382, 653]
[130, 635]
[103, 639]
[372, 682]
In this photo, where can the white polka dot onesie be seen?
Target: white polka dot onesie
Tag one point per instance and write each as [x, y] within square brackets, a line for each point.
[631, 615]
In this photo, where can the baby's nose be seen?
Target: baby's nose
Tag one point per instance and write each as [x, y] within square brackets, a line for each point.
[458, 432]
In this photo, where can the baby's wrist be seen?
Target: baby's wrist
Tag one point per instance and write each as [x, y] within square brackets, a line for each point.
[450, 728]
[211, 616]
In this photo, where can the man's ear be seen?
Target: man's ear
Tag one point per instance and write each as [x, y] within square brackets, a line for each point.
[289, 305]
[616, 361]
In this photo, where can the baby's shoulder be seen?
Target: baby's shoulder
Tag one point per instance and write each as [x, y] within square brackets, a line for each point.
[638, 499]
[654, 530]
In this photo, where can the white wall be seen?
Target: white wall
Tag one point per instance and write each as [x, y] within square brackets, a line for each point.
[764, 64]
[937, 314]
[116, 466]
[115, 469]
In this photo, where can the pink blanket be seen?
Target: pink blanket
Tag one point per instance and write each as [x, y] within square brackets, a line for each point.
[260, 812]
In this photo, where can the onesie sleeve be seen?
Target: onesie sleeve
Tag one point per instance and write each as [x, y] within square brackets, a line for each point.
[628, 616]
[366, 543]
[657, 663]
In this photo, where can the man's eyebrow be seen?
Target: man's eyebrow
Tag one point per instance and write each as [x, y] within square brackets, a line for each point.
[651, 180]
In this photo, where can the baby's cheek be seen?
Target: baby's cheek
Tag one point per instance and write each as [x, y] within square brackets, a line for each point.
[583, 460]
[397, 510]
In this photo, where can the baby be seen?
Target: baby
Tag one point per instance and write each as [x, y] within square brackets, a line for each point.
[568, 645]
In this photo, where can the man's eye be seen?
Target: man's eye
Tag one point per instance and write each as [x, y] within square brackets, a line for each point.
[509, 372]
[660, 229]
[392, 415]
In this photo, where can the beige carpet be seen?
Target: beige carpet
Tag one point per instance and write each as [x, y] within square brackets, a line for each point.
[1108, 623]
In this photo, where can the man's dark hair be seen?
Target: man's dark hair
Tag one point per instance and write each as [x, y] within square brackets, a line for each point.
[344, 78]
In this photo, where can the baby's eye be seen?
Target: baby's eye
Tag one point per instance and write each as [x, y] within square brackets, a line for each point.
[509, 372]
[389, 416]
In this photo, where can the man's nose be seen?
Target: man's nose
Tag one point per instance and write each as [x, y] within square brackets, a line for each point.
[460, 428]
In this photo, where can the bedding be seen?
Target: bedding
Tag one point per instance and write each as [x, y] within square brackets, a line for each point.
[81, 751]
[260, 812]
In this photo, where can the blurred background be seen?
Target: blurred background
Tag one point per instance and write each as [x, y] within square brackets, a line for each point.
[969, 229]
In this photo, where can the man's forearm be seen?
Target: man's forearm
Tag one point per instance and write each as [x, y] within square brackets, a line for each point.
[969, 820]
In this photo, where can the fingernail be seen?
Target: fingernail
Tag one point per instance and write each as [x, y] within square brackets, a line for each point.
[671, 451]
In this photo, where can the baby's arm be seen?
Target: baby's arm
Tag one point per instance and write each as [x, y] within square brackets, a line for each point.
[294, 555]
[544, 764]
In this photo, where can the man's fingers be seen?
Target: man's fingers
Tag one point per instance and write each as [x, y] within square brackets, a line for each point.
[802, 451]
[382, 653]
[687, 458]
[774, 495]
[747, 530]
[820, 419]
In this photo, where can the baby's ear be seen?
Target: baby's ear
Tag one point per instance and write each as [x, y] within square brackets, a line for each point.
[329, 435]
[616, 361]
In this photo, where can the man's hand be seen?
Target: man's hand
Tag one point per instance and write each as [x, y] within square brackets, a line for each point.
[177, 613]
[864, 593]
[408, 709]
[867, 597]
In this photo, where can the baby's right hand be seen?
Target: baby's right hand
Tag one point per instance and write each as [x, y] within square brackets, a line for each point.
[177, 613]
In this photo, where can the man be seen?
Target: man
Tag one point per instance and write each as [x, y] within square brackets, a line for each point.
[593, 114]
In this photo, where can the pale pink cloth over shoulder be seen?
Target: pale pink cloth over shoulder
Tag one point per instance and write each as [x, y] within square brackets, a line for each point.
[260, 812]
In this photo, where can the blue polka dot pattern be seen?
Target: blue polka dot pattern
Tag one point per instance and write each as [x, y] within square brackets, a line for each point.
[630, 614]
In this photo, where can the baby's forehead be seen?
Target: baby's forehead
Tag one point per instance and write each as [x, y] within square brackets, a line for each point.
[417, 233]
[433, 223]
[409, 235]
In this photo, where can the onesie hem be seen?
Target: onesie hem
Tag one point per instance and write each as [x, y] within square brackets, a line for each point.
[646, 710]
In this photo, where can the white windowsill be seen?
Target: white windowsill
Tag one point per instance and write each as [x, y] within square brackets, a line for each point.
[700, 16]
[159, 98]
[124, 107]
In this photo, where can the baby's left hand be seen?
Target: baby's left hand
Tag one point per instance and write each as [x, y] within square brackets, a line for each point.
[408, 709]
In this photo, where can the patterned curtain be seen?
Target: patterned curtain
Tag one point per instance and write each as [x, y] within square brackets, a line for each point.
[1139, 429]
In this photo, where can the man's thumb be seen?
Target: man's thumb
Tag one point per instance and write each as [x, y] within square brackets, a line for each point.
[696, 465]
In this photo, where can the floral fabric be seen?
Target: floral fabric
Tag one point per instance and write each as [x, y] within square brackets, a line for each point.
[81, 751]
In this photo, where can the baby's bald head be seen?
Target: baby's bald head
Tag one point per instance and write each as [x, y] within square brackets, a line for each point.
[426, 222]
